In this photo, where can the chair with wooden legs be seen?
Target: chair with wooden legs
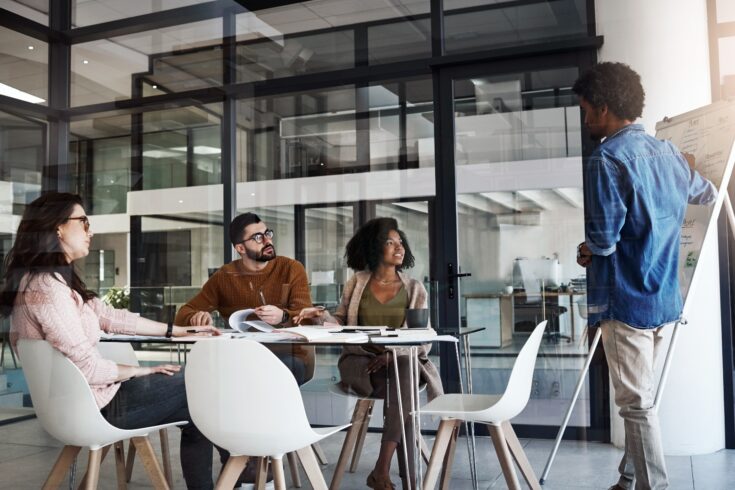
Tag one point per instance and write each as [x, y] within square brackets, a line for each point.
[494, 410]
[355, 435]
[123, 353]
[251, 416]
[66, 409]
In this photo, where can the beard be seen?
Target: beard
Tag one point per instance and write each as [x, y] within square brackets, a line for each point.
[263, 255]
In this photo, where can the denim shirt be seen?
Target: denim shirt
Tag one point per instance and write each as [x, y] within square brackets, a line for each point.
[636, 193]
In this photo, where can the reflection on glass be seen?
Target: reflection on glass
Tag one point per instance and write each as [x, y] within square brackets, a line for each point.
[516, 117]
[23, 67]
[348, 129]
[328, 229]
[22, 154]
[487, 24]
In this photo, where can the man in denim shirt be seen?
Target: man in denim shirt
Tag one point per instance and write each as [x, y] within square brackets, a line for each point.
[636, 193]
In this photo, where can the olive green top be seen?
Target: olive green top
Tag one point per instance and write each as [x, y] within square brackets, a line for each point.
[374, 313]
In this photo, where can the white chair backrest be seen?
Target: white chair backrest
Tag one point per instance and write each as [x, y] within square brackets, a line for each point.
[244, 399]
[518, 391]
[61, 396]
[120, 352]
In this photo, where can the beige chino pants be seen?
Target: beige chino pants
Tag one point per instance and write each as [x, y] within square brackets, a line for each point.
[631, 356]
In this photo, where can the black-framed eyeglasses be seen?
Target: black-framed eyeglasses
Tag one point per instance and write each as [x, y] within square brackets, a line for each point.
[83, 219]
[258, 237]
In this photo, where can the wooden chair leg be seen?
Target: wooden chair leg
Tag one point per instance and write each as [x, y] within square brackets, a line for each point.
[130, 462]
[261, 474]
[120, 465]
[441, 444]
[233, 468]
[93, 469]
[446, 474]
[350, 437]
[150, 463]
[506, 461]
[279, 479]
[61, 466]
[166, 457]
[364, 423]
[516, 449]
[320, 454]
[293, 466]
[104, 451]
[425, 451]
[312, 469]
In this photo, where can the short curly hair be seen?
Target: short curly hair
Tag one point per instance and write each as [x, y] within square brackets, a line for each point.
[364, 251]
[615, 85]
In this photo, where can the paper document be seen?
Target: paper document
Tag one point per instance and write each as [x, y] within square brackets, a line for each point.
[239, 321]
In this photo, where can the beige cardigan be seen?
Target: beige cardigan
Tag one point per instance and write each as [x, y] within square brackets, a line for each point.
[346, 314]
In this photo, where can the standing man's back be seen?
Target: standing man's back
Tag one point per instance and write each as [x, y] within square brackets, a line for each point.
[636, 192]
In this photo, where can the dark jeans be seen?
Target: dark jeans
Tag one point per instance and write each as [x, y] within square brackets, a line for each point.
[159, 399]
[295, 365]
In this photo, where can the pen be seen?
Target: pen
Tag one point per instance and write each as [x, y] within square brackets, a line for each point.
[192, 330]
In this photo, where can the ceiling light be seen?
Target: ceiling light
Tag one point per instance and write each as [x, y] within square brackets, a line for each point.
[31, 48]
[9, 91]
[154, 86]
[86, 62]
[181, 201]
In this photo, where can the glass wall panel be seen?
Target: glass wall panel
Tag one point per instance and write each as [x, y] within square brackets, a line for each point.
[22, 157]
[105, 70]
[472, 25]
[35, 10]
[520, 216]
[383, 126]
[23, 67]
[89, 12]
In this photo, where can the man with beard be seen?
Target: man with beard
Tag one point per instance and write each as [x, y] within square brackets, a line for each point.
[636, 194]
[276, 287]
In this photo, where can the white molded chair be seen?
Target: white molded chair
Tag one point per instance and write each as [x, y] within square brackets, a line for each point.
[494, 410]
[123, 353]
[245, 400]
[66, 409]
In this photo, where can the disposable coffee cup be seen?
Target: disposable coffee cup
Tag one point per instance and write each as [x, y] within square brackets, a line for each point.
[417, 317]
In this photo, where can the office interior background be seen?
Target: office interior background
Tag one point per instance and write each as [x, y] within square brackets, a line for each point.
[456, 117]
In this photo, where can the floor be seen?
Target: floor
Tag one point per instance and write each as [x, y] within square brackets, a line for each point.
[27, 454]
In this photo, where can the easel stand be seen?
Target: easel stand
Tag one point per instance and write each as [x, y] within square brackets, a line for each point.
[593, 348]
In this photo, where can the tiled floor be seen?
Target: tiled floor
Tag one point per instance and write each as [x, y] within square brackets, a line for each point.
[27, 453]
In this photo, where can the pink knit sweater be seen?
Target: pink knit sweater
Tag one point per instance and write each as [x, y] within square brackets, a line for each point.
[46, 308]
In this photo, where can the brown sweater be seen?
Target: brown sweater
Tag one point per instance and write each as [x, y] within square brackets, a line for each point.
[283, 282]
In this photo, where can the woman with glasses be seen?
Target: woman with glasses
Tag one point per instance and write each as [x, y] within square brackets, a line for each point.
[379, 294]
[47, 300]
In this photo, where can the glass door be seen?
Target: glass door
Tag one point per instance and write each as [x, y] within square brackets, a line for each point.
[517, 150]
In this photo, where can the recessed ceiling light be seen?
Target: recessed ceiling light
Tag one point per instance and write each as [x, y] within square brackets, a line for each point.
[252, 193]
[181, 201]
[31, 48]
[86, 62]
[154, 86]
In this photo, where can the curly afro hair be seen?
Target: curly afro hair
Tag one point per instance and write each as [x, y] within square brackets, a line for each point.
[365, 248]
[615, 85]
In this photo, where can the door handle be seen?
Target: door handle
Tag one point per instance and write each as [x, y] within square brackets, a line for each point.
[454, 275]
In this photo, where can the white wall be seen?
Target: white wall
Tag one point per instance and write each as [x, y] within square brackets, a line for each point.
[666, 42]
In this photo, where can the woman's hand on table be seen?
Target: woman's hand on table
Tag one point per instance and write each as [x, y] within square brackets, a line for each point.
[309, 313]
[196, 330]
[378, 362]
[167, 369]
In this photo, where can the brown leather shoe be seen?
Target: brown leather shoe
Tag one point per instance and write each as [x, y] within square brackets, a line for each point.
[379, 483]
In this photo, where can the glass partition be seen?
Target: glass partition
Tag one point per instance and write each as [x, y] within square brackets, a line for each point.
[23, 67]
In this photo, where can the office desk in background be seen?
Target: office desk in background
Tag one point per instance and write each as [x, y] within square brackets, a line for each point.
[497, 313]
